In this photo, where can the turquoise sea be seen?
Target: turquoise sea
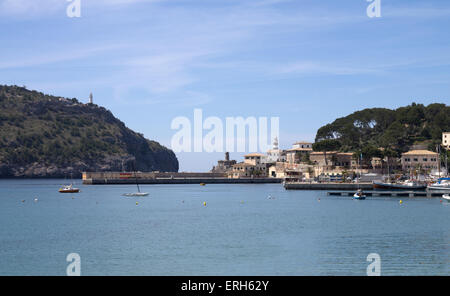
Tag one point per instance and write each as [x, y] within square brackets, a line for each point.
[240, 231]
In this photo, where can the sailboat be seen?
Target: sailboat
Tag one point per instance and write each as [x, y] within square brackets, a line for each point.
[69, 188]
[139, 193]
[359, 193]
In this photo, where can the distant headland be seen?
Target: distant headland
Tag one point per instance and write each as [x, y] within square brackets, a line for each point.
[44, 136]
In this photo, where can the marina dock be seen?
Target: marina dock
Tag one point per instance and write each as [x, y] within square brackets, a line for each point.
[327, 186]
[390, 193]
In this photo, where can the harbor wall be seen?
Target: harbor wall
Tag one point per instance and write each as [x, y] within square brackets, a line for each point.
[103, 178]
[328, 186]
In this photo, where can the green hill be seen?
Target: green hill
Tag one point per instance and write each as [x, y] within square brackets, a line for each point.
[396, 130]
[48, 136]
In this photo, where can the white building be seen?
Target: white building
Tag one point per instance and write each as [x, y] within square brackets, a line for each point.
[275, 154]
[298, 151]
[303, 145]
[446, 140]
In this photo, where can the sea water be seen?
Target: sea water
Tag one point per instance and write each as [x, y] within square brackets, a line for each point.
[240, 229]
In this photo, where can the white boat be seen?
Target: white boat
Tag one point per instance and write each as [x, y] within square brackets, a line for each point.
[359, 195]
[136, 194]
[443, 184]
[139, 193]
[68, 189]
[446, 197]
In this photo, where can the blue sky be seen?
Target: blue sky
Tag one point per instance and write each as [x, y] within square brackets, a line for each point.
[306, 61]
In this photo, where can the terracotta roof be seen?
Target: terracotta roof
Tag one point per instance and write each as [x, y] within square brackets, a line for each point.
[253, 154]
[420, 152]
[301, 142]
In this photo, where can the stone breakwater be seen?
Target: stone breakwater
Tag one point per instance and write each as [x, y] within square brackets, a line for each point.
[99, 178]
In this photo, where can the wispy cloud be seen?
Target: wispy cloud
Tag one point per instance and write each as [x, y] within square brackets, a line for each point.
[416, 12]
[309, 67]
[36, 8]
[32, 60]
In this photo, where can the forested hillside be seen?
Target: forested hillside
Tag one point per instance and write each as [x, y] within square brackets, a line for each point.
[48, 136]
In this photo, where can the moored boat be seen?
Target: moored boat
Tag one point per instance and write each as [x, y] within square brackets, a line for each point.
[359, 195]
[443, 184]
[139, 193]
[136, 194]
[68, 189]
[408, 185]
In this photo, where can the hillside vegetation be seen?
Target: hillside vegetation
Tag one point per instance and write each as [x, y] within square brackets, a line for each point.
[48, 136]
[395, 130]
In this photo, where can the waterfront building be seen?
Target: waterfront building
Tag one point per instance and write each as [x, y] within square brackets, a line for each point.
[254, 165]
[302, 144]
[275, 154]
[420, 159]
[333, 159]
[223, 166]
[345, 160]
[446, 140]
[254, 158]
[322, 159]
[299, 152]
[293, 176]
[248, 170]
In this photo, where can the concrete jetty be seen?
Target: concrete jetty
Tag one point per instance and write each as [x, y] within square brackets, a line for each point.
[390, 193]
[110, 178]
[327, 186]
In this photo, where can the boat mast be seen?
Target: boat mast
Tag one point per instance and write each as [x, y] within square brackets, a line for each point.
[446, 163]
[135, 177]
[389, 170]
[439, 159]
[139, 190]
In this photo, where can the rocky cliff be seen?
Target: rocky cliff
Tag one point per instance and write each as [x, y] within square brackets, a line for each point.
[48, 136]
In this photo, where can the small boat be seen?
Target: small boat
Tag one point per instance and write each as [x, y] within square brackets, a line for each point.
[443, 184]
[202, 184]
[136, 194]
[68, 189]
[408, 185]
[139, 193]
[446, 197]
[359, 195]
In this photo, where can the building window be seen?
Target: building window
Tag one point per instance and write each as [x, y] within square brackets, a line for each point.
[425, 159]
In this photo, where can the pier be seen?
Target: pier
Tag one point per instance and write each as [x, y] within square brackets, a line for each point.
[327, 186]
[121, 178]
[390, 193]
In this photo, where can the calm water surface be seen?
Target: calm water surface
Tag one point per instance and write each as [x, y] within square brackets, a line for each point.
[239, 231]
